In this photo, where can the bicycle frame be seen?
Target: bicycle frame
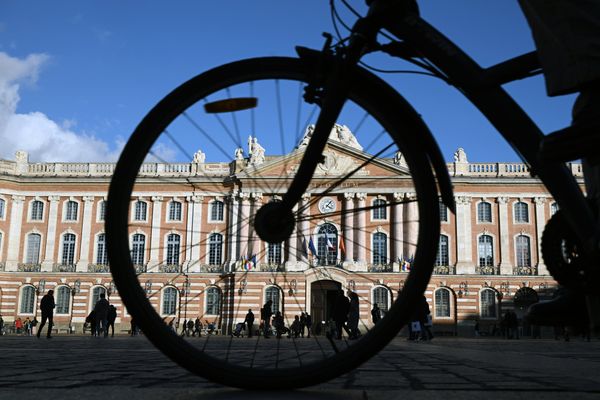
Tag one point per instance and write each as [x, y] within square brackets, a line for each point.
[483, 88]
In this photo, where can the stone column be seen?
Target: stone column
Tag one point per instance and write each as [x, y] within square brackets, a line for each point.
[14, 233]
[540, 223]
[156, 238]
[397, 230]
[86, 230]
[253, 244]
[233, 230]
[194, 238]
[464, 264]
[506, 267]
[411, 225]
[348, 229]
[244, 224]
[51, 233]
[361, 233]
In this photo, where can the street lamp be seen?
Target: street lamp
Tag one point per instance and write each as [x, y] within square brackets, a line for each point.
[111, 289]
[148, 286]
[463, 289]
[74, 291]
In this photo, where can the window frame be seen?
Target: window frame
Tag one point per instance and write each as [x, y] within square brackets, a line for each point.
[518, 257]
[34, 206]
[273, 293]
[28, 251]
[379, 209]
[379, 241]
[215, 249]
[439, 255]
[384, 305]
[31, 302]
[520, 208]
[168, 301]
[175, 212]
[483, 208]
[3, 208]
[70, 207]
[275, 253]
[72, 252]
[479, 249]
[485, 306]
[101, 253]
[173, 249]
[137, 211]
[212, 300]
[60, 297]
[439, 306]
[443, 212]
[220, 213]
[140, 251]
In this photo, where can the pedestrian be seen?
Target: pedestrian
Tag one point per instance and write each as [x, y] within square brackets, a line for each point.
[47, 307]
[133, 327]
[101, 309]
[18, 325]
[426, 320]
[513, 324]
[279, 325]
[184, 328]
[1, 326]
[295, 327]
[375, 313]
[302, 323]
[190, 327]
[198, 327]
[249, 321]
[110, 318]
[27, 327]
[353, 315]
[340, 313]
[309, 324]
[91, 321]
[34, 324]
[265, 315]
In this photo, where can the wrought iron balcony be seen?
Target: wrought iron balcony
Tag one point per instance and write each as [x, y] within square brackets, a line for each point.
[444, 270]
[63, 268]
[140, 268]
[487, 270]
[211, 268]
[272, 267]
[99, 268]
[29, 267]
[380, 268]
[170, 268]
[525, 270]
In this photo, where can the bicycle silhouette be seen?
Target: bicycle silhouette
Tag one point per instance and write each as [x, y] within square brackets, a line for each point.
[299, 101]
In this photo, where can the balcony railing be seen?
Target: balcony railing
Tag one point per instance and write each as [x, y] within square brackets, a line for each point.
[379, 268]
[63, 268]
[140, 268]
[170, 268]
[444, 270]
[487, 270]
[525, 270]
[211, 268]
[29, 267]
[272, 267]
[99, 268]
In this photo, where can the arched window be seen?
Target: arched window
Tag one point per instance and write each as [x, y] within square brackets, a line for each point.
[175, 211]
[27, 300]
[213, 300]
[101, 255]
[63, 299]
[216, 211]
[274, 294]
[102, 210]
[521, 212]
[138, 249]
[554, 208]
[442, 258]
[327, 245]
[523, 251]
[274, 253]
[484, 212]
[37, 211]
[381, 297]
[173, 246]
[486, 251]
[379, 209]
[443, 212]
[442, 303]
[71, 211]
[68, 249]
[96, 291]
[2, 208]
[140, 210]
[0, 242]
[215, 249]
[488, 307]
[169, 301]
[379, 248]
[34, 241]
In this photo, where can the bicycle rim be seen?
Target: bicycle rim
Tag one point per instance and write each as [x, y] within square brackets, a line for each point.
[182, 123]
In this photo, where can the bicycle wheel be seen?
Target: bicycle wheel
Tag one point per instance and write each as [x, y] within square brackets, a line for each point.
[209, 261]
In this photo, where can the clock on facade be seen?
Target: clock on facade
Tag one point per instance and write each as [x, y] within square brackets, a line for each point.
[327, 205]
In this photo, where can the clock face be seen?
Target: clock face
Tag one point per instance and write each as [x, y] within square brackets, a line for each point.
[327, 205]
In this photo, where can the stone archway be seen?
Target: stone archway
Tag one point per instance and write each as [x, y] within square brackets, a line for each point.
[322, 298]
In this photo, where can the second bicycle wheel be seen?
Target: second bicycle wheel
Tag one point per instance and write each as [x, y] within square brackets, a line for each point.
[182, 244]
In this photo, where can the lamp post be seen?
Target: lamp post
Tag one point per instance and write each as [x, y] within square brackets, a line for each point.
[75, 289]
[111, 289]
[39, 289]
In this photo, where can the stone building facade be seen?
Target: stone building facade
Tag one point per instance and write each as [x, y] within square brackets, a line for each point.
[197, 255]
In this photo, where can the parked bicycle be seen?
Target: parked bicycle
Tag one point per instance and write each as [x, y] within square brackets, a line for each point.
[299, 101]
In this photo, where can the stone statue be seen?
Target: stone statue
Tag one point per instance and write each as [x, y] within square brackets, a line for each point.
[239, 153]
[460, 156]
[199, 157]
[258, 153]
[399, 158]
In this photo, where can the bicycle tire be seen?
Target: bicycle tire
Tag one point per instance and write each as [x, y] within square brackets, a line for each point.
[386, 107]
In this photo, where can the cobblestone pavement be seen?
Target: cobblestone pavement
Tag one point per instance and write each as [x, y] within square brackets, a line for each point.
[126, 367]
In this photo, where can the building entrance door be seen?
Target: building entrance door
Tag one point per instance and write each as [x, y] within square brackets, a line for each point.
[323, 294]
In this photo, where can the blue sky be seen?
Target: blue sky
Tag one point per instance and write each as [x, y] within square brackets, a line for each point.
[77, 76]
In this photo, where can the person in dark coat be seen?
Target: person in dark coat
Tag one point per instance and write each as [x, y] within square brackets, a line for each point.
[91, 320]
[353, 316]
[249, 321]
[376, 313]
[265, 315]
[47, 307]
[110, 318]
[340, 313]
[101, 309]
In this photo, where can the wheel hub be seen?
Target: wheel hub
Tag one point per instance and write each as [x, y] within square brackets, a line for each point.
[274, 223]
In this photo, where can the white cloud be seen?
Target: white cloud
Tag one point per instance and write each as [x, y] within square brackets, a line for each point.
[44, 139]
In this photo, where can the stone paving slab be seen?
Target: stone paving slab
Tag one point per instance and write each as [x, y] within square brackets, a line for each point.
[126, 368]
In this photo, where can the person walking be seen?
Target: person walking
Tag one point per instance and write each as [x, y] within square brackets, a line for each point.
[190, 327]
[249, 321]
[309, 324]
[110, 318]
[265, 315]
[101, 309]
[375, 313]
[47, 308]
[34, 324]
[184, 331]
[340, 313]
[197, 327]
[353, 315]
